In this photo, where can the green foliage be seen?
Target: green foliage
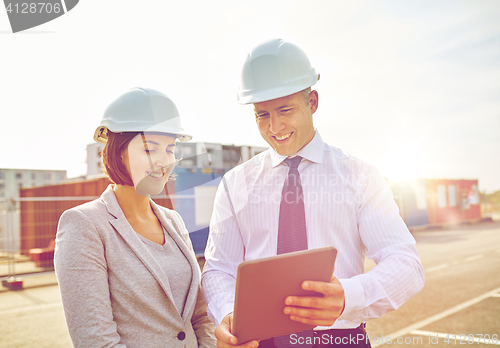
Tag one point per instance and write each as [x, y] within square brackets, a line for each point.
[490, 198]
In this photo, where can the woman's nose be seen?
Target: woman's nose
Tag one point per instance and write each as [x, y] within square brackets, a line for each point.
[164, 159]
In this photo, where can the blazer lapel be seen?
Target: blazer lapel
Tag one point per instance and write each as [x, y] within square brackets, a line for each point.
[174, 231]
[121, 225]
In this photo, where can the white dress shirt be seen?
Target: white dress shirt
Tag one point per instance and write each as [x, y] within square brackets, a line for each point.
[348, 204]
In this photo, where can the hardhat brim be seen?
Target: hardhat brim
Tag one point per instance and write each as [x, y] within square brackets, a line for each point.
[251, 96]
[101, 134]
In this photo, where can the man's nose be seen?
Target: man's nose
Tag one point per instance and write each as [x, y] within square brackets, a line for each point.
[276, 124]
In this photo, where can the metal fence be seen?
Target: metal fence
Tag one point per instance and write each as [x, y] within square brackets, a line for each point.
[28, 226]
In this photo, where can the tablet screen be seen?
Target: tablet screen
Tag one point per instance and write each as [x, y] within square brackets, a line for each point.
[262, 286]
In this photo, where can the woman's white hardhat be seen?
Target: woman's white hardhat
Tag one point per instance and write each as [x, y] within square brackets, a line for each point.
[141, 110]
[275, 69]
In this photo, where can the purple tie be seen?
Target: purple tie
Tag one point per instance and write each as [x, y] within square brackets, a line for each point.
[292, 234]
[292, 224]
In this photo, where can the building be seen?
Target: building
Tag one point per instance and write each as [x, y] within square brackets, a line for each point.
[11, 180]
[205, 155]
[94, 161]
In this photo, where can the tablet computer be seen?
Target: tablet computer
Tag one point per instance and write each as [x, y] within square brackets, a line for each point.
[262, 286]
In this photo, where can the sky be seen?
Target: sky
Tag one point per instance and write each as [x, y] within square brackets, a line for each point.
[412, 87]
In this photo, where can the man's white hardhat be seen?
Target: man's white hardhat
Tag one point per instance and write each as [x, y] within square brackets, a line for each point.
[141, 110]
[275, 69]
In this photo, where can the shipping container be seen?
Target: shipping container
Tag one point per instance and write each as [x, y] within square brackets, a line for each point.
[452, 201]
[425, 202]
[41, 208]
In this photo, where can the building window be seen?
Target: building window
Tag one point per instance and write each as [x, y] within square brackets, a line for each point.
[33, 176]
[2, 176]
[46, 176]
[231, 156]
[441, 196]
[452, 196]
[19, 175]
[421, 194]
[473, 195]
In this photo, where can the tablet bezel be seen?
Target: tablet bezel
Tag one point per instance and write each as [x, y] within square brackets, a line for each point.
[263, 284]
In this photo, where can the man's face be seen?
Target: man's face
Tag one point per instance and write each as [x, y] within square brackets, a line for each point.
[286, 123]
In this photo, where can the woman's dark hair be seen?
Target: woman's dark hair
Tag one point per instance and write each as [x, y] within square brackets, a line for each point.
[114, 167]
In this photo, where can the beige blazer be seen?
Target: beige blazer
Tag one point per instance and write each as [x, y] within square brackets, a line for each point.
[114, 292]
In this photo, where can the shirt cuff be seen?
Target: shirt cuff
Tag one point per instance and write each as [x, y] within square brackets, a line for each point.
[354, 298]
[220, 314]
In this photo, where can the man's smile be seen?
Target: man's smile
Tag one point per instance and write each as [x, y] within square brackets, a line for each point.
[283, 137]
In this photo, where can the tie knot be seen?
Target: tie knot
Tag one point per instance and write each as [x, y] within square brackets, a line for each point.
[293, 162]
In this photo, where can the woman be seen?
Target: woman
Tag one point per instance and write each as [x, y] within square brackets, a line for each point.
[126, 267]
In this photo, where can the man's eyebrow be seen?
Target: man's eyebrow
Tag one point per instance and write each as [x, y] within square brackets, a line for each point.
[284, 106]
[278, 108]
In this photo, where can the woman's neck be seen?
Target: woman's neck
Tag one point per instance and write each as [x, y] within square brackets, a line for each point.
[132, 203]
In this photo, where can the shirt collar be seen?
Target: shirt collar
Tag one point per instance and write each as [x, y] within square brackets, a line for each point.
[312, 152]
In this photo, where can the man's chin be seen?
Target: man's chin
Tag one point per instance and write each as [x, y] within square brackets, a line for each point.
[283, 150]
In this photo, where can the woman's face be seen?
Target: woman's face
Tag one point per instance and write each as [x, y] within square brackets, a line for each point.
[150, 159]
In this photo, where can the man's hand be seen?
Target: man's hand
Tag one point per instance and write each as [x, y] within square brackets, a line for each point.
[226, 339]
[317, 311]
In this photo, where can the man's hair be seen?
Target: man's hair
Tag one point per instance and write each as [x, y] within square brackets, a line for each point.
[305, 94]
[112, 159]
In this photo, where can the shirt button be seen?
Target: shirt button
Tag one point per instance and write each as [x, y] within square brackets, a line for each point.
[181, 335]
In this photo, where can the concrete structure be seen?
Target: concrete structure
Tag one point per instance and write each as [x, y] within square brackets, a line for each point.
[94, 162]
[211, 155]
[11, 180]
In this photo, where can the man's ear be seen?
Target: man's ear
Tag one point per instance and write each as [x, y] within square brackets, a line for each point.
[313, 101]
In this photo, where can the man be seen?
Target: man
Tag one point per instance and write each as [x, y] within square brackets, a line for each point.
[340, 201]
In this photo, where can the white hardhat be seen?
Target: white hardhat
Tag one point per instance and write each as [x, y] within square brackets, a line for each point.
[141, 110]
[275, 69]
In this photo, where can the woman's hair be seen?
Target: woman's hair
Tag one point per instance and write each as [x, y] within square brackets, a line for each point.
[114, 167]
